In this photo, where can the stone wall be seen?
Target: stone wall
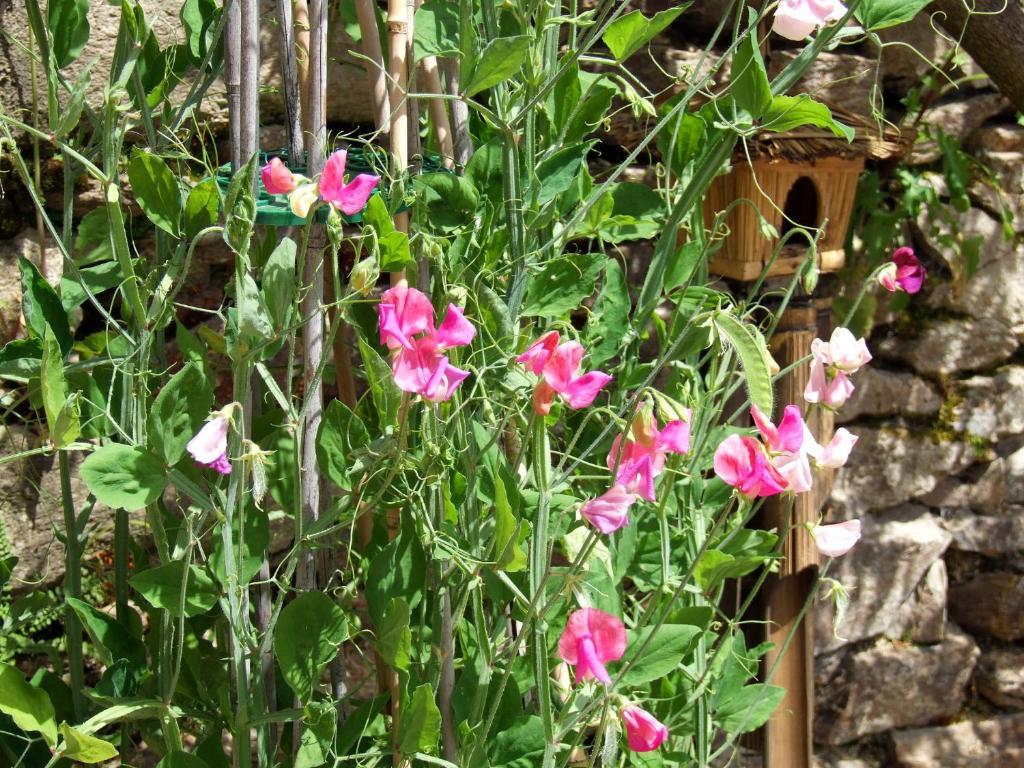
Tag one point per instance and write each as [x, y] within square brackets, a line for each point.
[927, 667]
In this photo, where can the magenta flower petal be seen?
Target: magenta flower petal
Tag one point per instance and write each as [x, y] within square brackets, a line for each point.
[277, 179]
[675, 437]
[560, 369]
[537, 354]
[610, 511]
[591, 639]
[455, 330]
[332, 178]
[644, 733]
[582, 390]
[909, 272]
[402, 313]
[353, 196]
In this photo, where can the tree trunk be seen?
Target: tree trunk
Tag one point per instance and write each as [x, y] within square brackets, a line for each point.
[995, 40]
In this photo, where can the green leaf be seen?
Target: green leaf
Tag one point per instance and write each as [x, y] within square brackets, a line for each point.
[500, 59]
[393, 245]
[451, 200]
[484, 171]
[62, 412]
[124, 476]
[28, 706]
[202, 207]
[97, 278]
[383, 391]
[558, 172]
[610, 319]
[41, 307]
[421, 723]
[68, 22]
[628, 33]
[254, 320]
[84, 748]
[394, 638]
[279, 282]
[788, 112]
[240, 207]
[71, 112]
[753, 353]
[198, 18]
[341, 432]
[112, 638]
[749, 708]
[156, 190]
[562, 284]
[665, 651]
[509, 532]
[164, 586]
[396, 571]
[750, 86]
[592, 110]
[309, 632]
[92, 240]
[250, 545]
[321, 721]
[181, 760]
[520, 746]
[879, 14]
[716, 566]
[436, 30]
[178, 412]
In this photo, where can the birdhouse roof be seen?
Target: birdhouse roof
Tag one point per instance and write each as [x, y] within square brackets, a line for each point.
[872, 141]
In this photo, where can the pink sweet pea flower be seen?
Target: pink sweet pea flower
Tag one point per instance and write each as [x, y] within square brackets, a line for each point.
[797, 19]
[558, 365]
[609, 511]
[277, 179]
[904, 272]
[209, 447]
[835, 454]
[350, 198]
[403, 312]
[642, 458]
[836, 540]
[788, 436]
[591, 639]
[741, 462]
[406, 323]
[830, 388]
[842, 351]
[644, 732]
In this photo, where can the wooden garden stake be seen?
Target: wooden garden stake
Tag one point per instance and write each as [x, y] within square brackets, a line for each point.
[232, 76]
[290, 77]
[463, 142]
[399, 78]
[438, 111]
[366, 11]
[301, 26]
[249, 71]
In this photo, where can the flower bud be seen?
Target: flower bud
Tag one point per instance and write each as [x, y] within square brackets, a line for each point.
[365, 275]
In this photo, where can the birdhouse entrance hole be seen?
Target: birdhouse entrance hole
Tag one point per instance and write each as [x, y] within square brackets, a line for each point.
[801, 209]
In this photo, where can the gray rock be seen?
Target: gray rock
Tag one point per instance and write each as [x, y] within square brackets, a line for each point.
[887, 393]
[922, 617]
[910, 49]
[995, 743]
[991, 404]
[889, 685]
[1000, 677]
[842, 79]
[1015, 476]
[896, 550]
[999, 138]
[890, 466]
[1006, 191]
[990, 603]
[958, 118]
[950, 346]
[987, 494]
[987, 535]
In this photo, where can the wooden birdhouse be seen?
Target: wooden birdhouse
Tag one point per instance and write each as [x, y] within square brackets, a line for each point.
[806, 178]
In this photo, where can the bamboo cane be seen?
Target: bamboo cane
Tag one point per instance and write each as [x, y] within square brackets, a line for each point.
[366, 12]
[460, 113]
[249, 85]
[301, 25]
[290, 78]
[438, 111]
[398, 71]
[413, 137]
[232, 76]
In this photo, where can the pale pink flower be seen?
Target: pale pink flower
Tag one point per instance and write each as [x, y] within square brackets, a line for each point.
[349, 197]
[836, 452]
[609, 511]
[843, 351]
[591, 639]
[904, 272]
[644, 733]
[558, 366]
[209, 447]
[797, 19]
[641, 458]
[741, 462]
[277, 179]
[838, 539]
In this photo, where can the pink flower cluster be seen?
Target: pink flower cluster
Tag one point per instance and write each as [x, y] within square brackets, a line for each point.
[558, 366]
[797, 19]
[349, 198]
[591, 639]
[406, 324]
[636, 462]
[781, 460]
[903, 273]
[831, 367]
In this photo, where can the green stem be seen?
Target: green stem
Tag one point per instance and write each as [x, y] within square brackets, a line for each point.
[538, 570]
[72, 588]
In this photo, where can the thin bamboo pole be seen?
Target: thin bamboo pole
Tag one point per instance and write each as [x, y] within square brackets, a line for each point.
[413, 138]
[438, 110]
[232, 76]
[249, 85]
[301, 26]
[290, 78]
[463, 142]
[398, 71]
[366, 11]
